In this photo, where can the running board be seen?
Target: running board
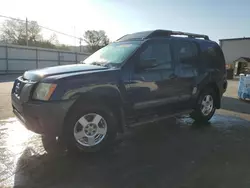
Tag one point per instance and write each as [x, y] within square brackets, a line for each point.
[158, 118]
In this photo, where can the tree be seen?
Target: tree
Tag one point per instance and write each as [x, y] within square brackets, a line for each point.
[54, 41]
[95, 39]
[14, 31]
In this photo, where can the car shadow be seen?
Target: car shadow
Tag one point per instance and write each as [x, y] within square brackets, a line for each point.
[235, 104]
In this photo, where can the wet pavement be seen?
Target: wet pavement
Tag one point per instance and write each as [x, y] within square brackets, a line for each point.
[15, 139]
[172, 153]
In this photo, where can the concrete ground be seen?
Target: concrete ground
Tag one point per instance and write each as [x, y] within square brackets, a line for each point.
[176, 153]
[6, 82]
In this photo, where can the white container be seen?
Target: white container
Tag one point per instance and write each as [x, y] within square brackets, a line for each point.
[244, 87]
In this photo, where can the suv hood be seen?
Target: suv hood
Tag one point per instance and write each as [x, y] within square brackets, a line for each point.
[37, 75]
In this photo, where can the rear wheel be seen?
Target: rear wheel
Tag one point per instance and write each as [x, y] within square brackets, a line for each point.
[90, 129]
[205, 106]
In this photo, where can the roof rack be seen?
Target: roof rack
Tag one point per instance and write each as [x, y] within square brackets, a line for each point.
[191, 35]
[159, 33]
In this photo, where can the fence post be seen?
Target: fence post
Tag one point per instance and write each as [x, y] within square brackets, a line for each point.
[59, 58]
[76, 57]
[7, 58]
[36, 58]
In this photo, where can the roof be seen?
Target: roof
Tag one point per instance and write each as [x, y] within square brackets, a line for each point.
[244, 38]
[243, 59]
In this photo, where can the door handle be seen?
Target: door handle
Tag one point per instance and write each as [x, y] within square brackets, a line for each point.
[172, 76]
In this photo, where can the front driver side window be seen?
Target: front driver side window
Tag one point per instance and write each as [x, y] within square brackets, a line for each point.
[160, 52]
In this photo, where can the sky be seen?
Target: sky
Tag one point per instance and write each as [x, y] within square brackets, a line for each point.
[217, 18]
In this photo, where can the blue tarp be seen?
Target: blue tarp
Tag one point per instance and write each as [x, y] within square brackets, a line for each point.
[244, 87]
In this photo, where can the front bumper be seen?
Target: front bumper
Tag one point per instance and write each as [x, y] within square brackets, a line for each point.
[45, 118]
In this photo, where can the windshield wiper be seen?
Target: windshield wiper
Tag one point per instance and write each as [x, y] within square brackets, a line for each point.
[108, 65]
[96, 63]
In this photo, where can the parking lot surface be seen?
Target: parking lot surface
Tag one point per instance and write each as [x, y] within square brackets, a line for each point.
[172, 153]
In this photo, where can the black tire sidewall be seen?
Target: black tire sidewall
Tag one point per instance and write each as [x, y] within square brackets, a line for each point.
[197, 114]
[78, 112]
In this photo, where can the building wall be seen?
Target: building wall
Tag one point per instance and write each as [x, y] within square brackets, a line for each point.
[234, 49]
[17, 59]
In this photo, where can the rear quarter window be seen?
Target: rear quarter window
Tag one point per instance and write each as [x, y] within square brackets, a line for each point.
[212, 56]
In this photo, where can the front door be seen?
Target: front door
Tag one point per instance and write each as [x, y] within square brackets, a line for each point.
[148, 87]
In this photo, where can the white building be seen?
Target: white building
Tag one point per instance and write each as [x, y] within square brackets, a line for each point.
[236, 52]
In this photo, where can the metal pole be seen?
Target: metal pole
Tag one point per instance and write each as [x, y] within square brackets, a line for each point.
[74, 36]
[36, 58]
[26, 27]
[7, 59]
[80, 45]
[59, 58]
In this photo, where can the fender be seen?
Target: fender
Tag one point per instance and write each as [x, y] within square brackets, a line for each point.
[108, 95]
[208, 79]
[96, 91]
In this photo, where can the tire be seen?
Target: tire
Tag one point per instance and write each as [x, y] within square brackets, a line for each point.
[205, 108]
[90, 128]
[52, 145]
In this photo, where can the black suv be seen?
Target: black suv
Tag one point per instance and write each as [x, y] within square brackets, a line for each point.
[140, 78]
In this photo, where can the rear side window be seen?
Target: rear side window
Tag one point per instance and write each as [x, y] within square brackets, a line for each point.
[186, 54]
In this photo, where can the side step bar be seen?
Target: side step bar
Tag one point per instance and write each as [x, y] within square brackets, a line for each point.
[158, 118]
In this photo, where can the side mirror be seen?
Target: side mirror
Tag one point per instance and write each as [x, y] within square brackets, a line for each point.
[146, 64]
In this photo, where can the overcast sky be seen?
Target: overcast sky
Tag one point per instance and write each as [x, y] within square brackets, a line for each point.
[216, 18]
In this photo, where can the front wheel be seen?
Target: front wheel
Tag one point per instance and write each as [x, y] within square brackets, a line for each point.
[90, 129]
[205, 106]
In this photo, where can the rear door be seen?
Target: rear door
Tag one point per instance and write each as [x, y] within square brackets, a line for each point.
[186, 59]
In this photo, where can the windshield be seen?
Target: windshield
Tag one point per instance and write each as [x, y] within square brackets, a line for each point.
[112, 55]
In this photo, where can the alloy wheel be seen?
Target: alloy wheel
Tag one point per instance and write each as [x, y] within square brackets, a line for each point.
[90, 129]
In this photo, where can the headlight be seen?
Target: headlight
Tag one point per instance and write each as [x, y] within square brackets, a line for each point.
[44, 91]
